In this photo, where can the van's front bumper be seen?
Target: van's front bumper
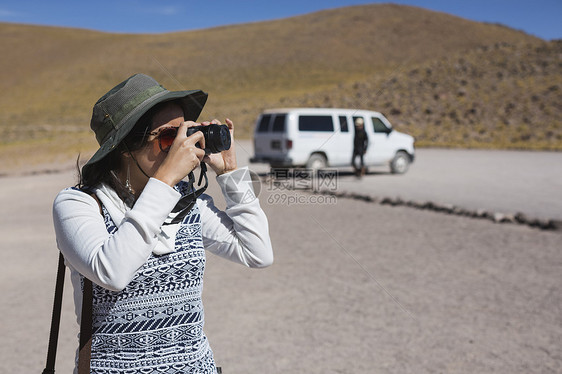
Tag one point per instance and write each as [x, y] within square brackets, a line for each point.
[277, 161]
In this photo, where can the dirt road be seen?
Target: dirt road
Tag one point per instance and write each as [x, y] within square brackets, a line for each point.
[355, 288]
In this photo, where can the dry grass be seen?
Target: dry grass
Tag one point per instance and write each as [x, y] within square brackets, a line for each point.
[54, 75]
[503, 96]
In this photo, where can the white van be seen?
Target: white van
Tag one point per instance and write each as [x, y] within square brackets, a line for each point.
[316, 138]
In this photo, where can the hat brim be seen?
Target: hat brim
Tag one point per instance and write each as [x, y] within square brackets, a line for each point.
[192, 103]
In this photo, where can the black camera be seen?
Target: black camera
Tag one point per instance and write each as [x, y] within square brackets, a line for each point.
[217, 137]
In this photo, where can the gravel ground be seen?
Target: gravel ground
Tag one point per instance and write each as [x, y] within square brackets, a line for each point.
[355, 288]
[364, 288]
[499, 181]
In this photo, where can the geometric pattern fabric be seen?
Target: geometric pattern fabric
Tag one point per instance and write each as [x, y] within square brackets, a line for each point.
[155, 325]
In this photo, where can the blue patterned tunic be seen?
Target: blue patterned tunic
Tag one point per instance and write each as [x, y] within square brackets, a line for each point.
[155, 325]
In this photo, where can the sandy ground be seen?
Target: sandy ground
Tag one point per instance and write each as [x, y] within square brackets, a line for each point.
[355, 288]
[499, 181]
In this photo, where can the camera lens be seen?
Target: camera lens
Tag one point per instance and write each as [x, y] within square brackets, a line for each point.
[222, 138]
[217, 137]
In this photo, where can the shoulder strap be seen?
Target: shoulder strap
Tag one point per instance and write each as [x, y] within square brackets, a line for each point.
[85, 324]
[55, 320]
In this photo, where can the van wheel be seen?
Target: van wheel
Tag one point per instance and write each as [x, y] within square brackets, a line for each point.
[316, 162]
[400, 163]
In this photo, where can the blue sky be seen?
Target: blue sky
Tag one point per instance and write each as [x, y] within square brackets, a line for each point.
[541, 18]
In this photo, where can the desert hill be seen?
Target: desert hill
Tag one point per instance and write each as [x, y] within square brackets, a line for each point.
[505, 96]
[52, 76]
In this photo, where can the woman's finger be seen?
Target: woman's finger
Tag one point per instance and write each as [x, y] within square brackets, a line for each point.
[197, 137]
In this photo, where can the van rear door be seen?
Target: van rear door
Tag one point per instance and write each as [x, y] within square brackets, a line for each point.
[270, 136]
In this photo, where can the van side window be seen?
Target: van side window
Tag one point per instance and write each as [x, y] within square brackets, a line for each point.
[279, 123]
[316, 123]
[343, 124]
[379, 126]
[263, 126]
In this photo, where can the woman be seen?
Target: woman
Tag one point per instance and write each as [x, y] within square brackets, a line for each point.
[117, 229]
[360, 144]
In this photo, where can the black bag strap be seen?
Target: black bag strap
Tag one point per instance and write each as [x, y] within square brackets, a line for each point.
[55, 319]
[85, 324]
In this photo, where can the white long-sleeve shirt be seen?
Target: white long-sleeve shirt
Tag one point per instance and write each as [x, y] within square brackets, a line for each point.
[240, 233]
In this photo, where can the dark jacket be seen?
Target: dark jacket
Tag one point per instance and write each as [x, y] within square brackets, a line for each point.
[360, 142]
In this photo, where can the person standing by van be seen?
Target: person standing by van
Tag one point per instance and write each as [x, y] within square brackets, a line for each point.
[360, 144]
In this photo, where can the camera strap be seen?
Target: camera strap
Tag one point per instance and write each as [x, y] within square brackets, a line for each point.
[187, 202]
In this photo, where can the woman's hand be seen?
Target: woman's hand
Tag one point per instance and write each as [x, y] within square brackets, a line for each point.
[226, 160]
[184, 155]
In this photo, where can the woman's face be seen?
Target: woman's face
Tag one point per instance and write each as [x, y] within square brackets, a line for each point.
[150, 157]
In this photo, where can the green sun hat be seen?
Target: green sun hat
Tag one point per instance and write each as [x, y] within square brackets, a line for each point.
[116, 113]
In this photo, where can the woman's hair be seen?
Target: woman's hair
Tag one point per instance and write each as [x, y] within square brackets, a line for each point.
[106, 170]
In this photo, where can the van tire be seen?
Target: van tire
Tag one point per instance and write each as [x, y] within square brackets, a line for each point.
[316, 162]
[400, 163]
